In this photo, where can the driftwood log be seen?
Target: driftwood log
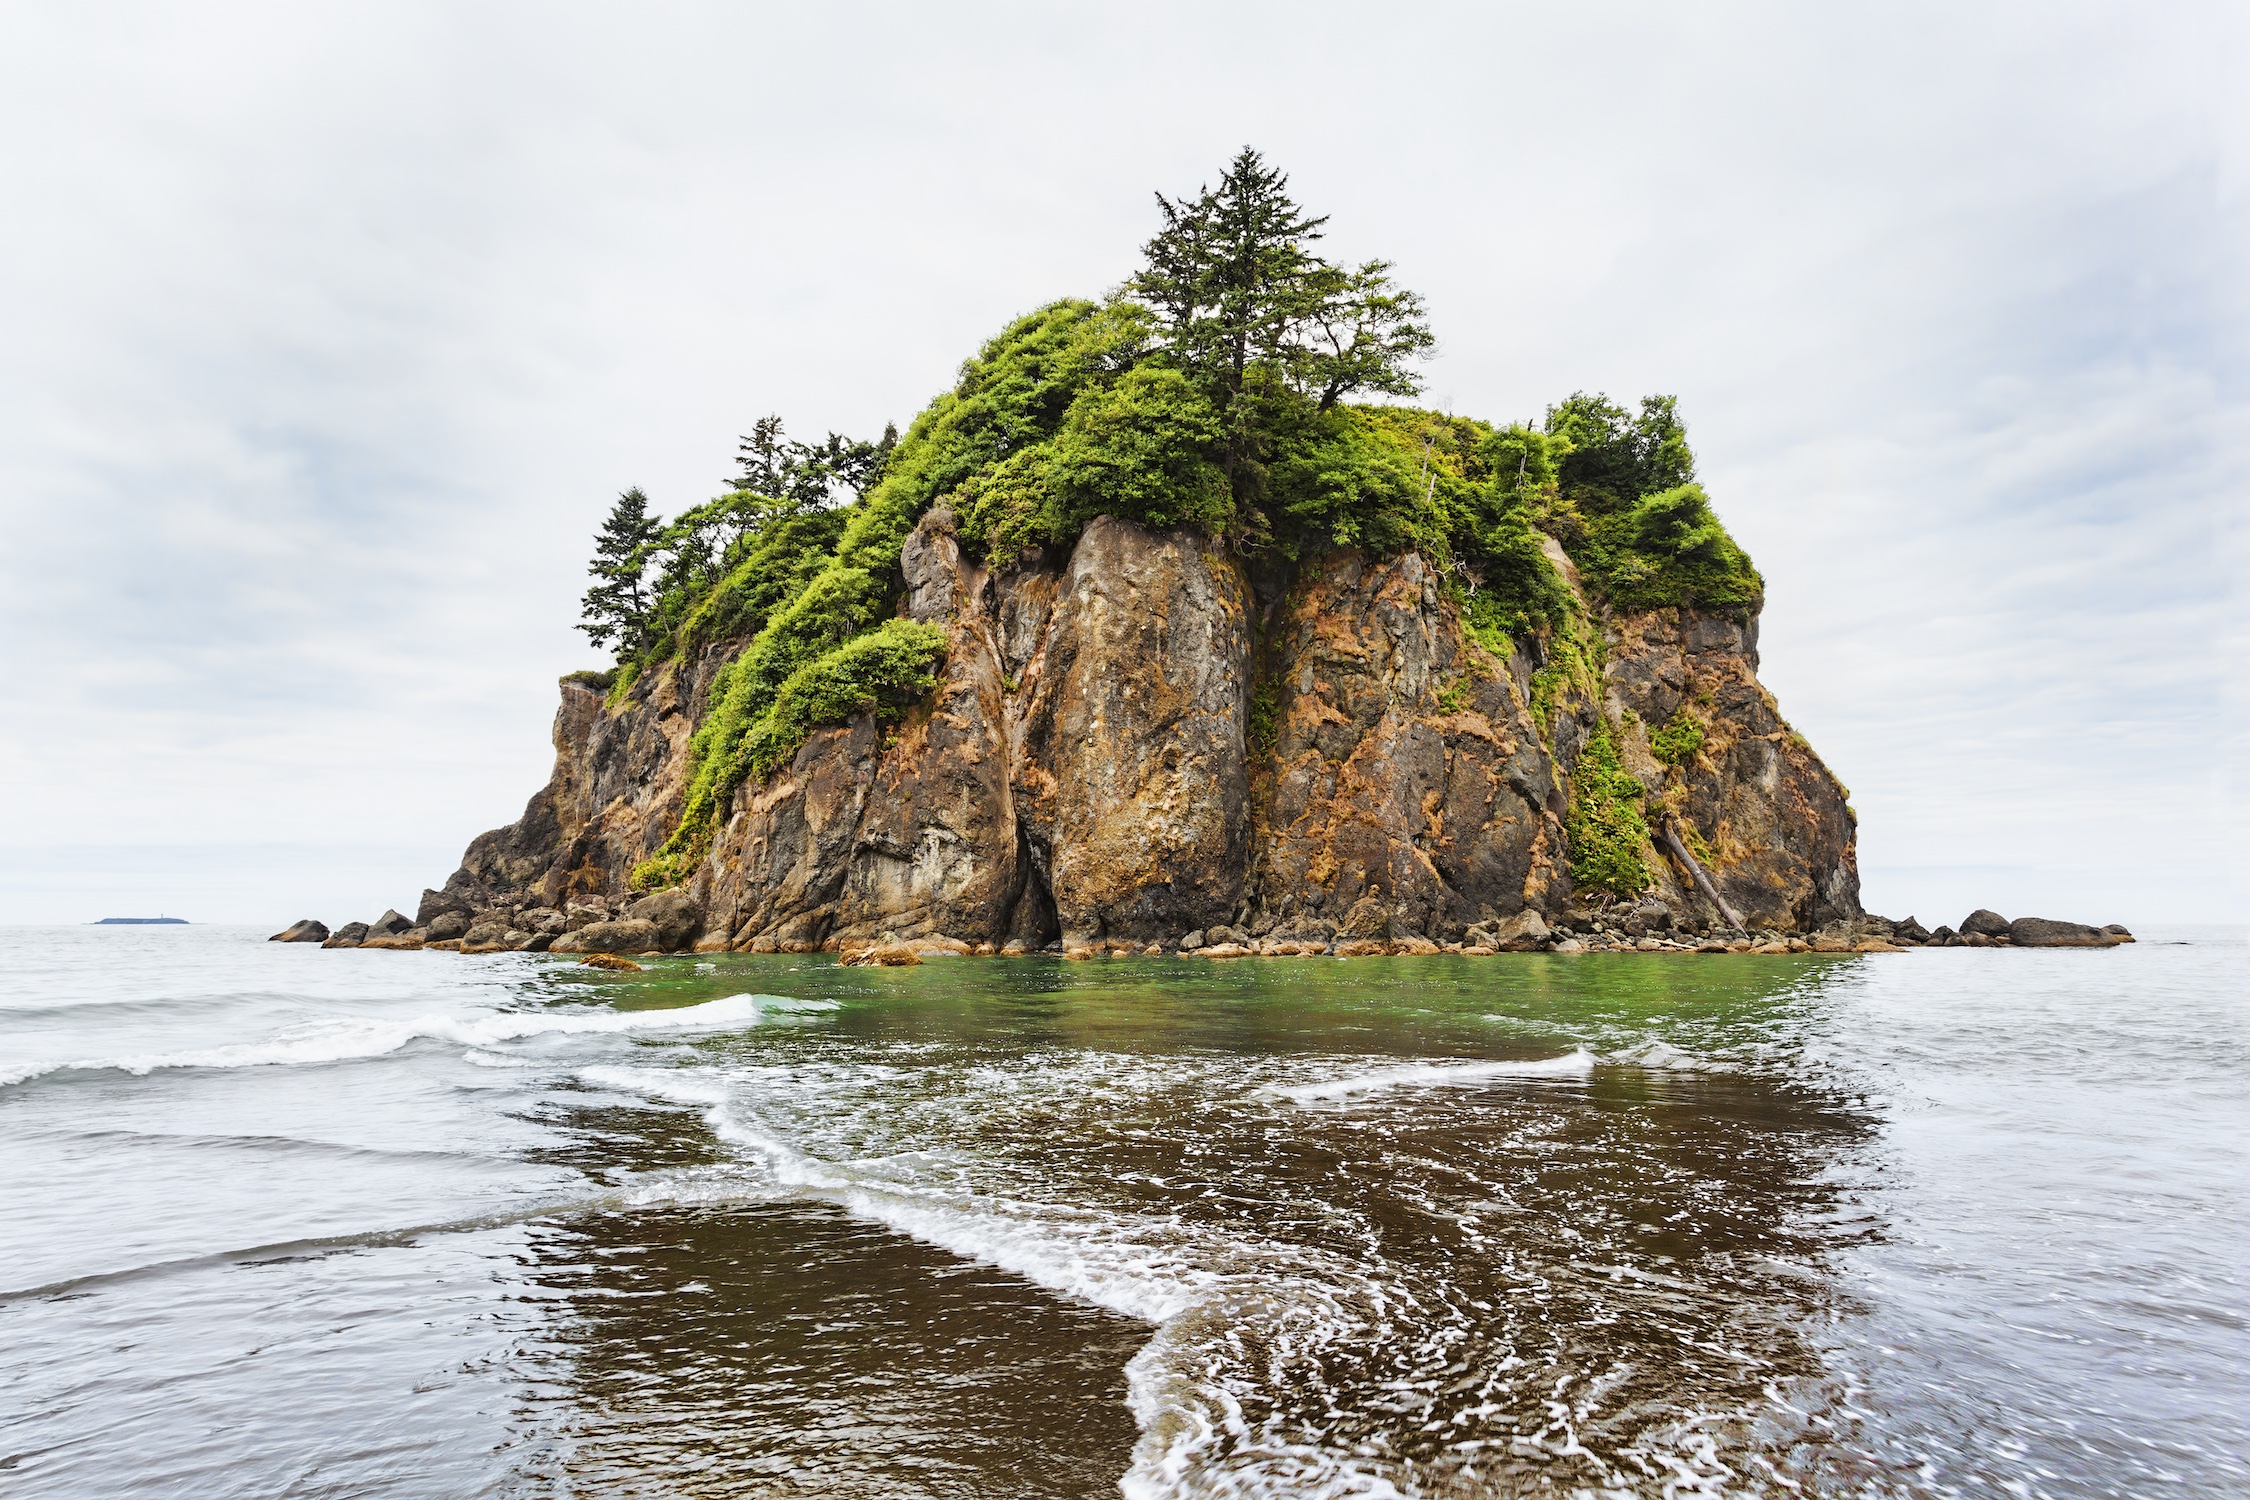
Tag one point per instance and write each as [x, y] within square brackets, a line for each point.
[1703, 883]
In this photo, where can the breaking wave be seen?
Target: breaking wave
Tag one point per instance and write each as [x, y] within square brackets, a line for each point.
[359, 1037]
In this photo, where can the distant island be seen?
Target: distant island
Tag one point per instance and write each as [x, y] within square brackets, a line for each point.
[140, 922]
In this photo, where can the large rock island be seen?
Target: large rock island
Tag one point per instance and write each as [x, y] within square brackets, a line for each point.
[1139, 737]
[1147, 633]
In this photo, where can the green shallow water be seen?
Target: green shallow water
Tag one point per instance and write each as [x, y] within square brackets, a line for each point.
[359, 1223]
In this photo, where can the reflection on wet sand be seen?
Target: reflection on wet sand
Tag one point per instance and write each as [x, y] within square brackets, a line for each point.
[1477, 1278]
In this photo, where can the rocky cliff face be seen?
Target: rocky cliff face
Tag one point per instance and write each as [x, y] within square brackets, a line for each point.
[1139, 740]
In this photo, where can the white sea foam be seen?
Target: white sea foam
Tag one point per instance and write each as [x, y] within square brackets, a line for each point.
[350, 1039]
[1661, 1056]
[1144, 1268]
[1576, 1064]
[1196, 1284]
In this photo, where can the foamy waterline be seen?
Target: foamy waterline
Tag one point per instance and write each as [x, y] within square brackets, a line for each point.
[1184, 1280]
[357, 1038]
[1578, 1064]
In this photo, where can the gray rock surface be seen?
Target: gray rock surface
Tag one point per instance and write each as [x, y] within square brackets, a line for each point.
[627, 935]
[306, 931]
[2046, 932]
[450, 922]
[436, 904]
[675, 916]
[1983, 923]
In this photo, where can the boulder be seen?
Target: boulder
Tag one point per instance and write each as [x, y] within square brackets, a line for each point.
[1191, 942]
[346, 936]
[2118, 931]
[2046, 932]
[307, 931]
[1983, 923]
[1369, 920]
[1418, 946]
[1942, 937]
[673, 913]
[449, 924]
[1909, 931]
[544, 919]
[888, 954]
[390, 924]
[486, 935]
[1223, 950]
[627, 935]
[412, 938]
[1646, 917]
[611, 961]
[1525, 932]
[436, 904]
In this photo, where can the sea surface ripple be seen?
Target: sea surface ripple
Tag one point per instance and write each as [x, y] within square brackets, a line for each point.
[286, 1221]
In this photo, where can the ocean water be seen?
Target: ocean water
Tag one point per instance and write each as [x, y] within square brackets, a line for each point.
[279, 1221]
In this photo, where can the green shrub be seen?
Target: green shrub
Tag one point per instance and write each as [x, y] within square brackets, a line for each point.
[1143, 448]
[1629, 512]
[1678, 741]
[1605, 826]
[1265, 717]
[786, 556]
[621, 685]
[749, 734]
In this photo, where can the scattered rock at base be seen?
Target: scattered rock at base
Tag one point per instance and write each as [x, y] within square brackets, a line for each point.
[887, 955]
[453, 923]
[1525, 932]
[412, 938]
[1909, 931]
[1368, 920]
[2046, 932]
[628, 935]
[485, 935]
[436, 904]
[609, 961]
[1192, 941]
[307, 931]
[1983, 923]
[346, 936]
[673, 913]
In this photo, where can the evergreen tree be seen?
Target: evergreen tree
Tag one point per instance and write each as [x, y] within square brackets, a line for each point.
[1242, 298]
[617, 608]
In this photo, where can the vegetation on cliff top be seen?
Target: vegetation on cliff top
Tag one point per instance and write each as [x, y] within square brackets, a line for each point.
[1212, 390]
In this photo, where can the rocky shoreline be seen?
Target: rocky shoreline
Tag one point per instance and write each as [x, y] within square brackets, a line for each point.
[671, 922]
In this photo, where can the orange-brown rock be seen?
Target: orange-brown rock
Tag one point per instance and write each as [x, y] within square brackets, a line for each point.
[1141, 736]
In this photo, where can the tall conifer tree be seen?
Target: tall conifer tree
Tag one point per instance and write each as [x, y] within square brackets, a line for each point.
[617, 608]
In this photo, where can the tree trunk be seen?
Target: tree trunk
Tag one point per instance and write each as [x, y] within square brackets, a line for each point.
[1702, 881]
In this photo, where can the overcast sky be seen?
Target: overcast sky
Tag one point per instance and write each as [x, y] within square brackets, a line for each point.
[328, 333]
